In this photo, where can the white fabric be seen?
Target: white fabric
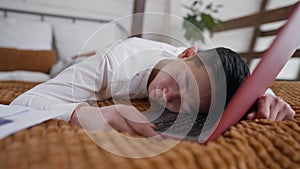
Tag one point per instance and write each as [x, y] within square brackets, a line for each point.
[24, 76]
[122, 71]
[17, 118]
[270, 92]
[78, 38]
[290, 71]
[25, 34]
[61, 65]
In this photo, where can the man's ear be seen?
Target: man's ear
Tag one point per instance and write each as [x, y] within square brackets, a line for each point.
[189, 52]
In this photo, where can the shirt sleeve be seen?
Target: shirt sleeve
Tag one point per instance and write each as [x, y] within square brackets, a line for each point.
[69, 89]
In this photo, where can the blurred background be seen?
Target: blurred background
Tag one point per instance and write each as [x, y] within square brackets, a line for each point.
[65, 26]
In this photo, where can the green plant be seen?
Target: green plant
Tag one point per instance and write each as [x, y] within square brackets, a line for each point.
[200, 19]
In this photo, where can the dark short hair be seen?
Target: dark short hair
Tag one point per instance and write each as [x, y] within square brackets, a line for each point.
[225, 61]
[235, 68]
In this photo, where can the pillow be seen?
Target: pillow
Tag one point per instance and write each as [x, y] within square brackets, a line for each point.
[74, 39]
[31, 60]
[25, 34]
[22, 75]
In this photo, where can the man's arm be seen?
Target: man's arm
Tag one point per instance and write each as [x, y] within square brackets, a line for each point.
[67, 90]
[120, 117]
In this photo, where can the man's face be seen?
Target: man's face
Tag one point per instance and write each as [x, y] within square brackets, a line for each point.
[181, 84]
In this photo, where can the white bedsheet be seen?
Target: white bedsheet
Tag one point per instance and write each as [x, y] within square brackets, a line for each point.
[24, 76]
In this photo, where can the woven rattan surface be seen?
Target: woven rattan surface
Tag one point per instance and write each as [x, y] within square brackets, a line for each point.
[249, 144]
[9, 90]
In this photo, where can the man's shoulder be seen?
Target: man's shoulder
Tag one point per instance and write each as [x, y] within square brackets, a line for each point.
[148, 43]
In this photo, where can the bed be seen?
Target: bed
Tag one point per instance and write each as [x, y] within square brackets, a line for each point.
[58, 144]
[249, 144]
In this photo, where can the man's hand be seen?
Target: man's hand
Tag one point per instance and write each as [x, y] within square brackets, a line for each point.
[122, 118]
[272, 108]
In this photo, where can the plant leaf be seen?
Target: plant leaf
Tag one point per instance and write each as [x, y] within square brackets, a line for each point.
[209, 6]
[199, 21]
[208, 21]
[195, 3]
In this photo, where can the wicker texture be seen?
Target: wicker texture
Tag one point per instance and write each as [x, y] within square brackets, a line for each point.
[9, 90]
[249, 144]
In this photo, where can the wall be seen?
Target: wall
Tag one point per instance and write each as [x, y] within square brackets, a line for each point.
[239, 39]
[85, 8]
[236, 39]
[94, 9]
[159, 23]
[99, 9]
[112, 9]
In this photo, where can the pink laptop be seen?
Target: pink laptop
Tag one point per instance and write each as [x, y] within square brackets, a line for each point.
[272, 61]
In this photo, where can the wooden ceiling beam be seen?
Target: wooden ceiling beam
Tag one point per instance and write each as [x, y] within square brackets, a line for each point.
[250, 20]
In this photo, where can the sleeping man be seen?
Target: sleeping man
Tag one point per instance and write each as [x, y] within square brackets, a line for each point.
[138, 68]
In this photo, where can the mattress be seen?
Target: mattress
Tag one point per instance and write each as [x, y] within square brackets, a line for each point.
[58, 144]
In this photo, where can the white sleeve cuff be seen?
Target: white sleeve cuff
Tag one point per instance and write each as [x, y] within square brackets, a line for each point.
[69, 108]
[270, 92]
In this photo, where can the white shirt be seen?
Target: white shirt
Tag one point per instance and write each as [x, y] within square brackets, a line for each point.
[120, 70]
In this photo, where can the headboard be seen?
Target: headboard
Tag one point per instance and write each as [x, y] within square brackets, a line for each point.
[136, 27]
[66, 34]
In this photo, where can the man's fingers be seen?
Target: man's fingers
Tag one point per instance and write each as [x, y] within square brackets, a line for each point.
[274, 108]
[128, 119]
[280, 116]
[285, 113]
[123, 126]
[263, 110]
[291, 113]
[251, 116]
[144, 129]
[153, 126]
[132, 114]
[275, 112]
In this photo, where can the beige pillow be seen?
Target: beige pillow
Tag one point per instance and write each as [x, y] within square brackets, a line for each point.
[30, 60]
